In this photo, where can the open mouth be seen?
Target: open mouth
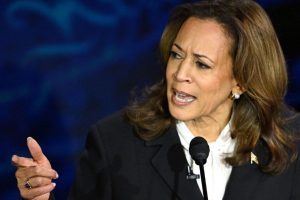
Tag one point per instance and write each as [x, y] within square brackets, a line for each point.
[182, 97]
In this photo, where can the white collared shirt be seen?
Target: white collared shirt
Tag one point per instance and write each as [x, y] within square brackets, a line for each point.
[217, 172]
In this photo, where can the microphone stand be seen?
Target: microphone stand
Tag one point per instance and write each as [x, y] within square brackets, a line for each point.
[199, 151]
[203, 181]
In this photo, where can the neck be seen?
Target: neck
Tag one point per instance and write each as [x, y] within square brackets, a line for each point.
[207, 127]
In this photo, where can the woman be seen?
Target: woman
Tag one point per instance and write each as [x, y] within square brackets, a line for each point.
[225, 81]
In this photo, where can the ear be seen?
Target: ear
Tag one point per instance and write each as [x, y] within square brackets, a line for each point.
[236, 91]
[236, 87]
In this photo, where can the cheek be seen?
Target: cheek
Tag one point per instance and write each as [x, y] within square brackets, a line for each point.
[169, 73]
[214, 85]
[208, 84]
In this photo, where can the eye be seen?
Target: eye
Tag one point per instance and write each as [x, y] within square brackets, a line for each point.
[202, 65]
[175, 55]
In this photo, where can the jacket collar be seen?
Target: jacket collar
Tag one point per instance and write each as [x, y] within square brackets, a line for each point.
[171, 164]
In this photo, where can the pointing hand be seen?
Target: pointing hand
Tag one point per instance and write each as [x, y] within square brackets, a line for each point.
[34, 175]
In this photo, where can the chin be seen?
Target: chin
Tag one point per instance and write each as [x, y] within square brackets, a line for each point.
[181, 115]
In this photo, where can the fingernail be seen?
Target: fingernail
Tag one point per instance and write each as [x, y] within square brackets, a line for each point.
[56, 176]
[54, 184]
[13, 158]
[29, 138]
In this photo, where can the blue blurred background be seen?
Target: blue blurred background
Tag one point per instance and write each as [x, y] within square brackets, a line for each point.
[64, 64]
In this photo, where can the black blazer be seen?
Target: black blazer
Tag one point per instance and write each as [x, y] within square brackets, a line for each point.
[117, 165]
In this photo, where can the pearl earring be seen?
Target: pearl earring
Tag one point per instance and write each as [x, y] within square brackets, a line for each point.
[236, 96]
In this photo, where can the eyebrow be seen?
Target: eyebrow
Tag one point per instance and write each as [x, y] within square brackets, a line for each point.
[195, 54]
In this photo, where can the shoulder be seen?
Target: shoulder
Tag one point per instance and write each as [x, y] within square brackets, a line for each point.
[113, 130]
[293, 124]
[112, 122]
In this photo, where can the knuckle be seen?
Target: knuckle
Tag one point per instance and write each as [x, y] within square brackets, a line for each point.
[36, 170]
[20, 174]
[17, 173]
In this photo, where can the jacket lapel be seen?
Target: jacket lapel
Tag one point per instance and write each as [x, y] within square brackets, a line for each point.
[171, 164]
[242, 183]
[245, 179]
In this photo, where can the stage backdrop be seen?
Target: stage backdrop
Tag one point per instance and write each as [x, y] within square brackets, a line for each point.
[64, 64]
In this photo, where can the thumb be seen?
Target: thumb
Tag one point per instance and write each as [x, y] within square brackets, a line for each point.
[36, 151]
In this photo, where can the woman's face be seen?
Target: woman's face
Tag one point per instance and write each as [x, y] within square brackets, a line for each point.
[199, 72]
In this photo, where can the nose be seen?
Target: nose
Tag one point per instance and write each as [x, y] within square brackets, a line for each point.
[183, 72]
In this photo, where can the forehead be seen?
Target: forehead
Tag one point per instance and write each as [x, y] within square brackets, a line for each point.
[203, 36]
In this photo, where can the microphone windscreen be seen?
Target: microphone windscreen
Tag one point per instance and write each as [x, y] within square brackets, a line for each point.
[199, 150]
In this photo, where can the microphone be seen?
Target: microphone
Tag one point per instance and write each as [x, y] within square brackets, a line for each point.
[199, 151]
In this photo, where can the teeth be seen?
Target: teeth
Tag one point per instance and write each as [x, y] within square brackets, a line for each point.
[181, 97]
